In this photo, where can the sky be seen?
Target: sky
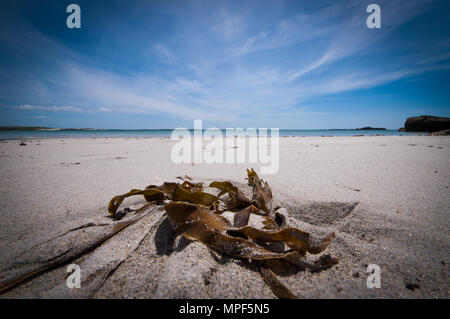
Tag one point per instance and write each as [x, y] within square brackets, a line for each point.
[269, 64]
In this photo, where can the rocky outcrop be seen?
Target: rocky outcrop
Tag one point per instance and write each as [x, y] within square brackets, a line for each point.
[427, 123]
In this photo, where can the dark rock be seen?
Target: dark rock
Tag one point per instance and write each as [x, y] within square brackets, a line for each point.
[427, 123]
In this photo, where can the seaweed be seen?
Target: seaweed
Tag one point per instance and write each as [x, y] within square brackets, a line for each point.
[195, 214]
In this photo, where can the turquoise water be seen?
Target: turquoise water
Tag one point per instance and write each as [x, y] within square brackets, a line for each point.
[33, 134]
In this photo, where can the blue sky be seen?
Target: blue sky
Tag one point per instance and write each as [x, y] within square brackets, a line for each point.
[162, 64]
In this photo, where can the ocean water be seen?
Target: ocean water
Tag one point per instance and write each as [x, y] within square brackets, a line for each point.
[42, 134]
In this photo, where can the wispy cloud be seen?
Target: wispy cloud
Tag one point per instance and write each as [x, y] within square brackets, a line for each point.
[226, 64]
[28, 107]
[324, 59]
[165, 54]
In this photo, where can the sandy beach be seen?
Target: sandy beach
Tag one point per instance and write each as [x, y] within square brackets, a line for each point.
[387, 199]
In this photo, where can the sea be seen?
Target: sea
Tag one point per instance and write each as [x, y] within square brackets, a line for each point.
[161, 133]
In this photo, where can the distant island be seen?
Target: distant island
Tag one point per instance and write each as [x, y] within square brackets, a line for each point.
[42, 128]
[24, 128]
[368, 128]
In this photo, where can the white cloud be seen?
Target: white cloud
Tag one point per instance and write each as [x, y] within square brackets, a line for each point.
[328, 56]
[228, 25]
[231, 65]
[165, 54]
[28, 107]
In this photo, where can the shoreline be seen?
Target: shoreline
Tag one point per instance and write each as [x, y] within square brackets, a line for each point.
[168, 137]
[60, 134]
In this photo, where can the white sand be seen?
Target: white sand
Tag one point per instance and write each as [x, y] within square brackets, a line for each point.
[386, 198]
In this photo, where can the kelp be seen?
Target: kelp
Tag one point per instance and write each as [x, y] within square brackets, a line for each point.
[280, 290]
[262, 194]
[196, 197]
[224, 187]
[193, 187]
[198, 223]
[235, 199]
[241, 217]
[185, 178]
[150, 194]
[251, 175]
[195, 214]
[293, 237]
[238, 200]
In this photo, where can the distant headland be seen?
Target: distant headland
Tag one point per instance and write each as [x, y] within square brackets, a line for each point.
[42, 128]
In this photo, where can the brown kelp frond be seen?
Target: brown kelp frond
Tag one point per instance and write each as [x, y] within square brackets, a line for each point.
[183, 215]
[237, 200]
[251, 176]
[171, 191]
[291, 236]
[241, 217]
[150, 194]
[185, 178]
[195, 214]
[224, 187]
[193, 187]
[262, 195]
[278, 288]
[181, 194]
